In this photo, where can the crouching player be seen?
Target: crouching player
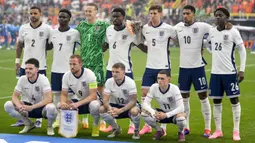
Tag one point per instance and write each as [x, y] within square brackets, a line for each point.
[171, 109]
[82, 82]
[120, 101]
[35, 92]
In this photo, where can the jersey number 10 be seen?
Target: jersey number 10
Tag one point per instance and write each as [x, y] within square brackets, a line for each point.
[187, 39]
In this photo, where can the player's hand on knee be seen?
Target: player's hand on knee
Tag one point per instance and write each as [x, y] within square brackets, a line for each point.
[161, 115]
[28, 108]
[64, 106]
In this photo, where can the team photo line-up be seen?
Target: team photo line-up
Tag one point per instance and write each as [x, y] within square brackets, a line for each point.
[80, 82]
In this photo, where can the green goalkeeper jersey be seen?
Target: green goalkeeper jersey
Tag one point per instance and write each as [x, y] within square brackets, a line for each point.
[92, 38]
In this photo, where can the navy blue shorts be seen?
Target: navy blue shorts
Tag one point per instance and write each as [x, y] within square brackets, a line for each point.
[109, 75]
[56, 82]
[195, 76]
[35, 113]
[125, 114]
[83, 109]
[223, 82]
[167, 120]
[23, 72]
[150, 76]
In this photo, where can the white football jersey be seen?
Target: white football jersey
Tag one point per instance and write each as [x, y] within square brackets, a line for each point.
[119, 94]
[33, 92]
[223, 50]
[79, 85]
[34, 43]
[167, 101]
[157, 41]
[63, 47]
[191, 42]
[119, 47]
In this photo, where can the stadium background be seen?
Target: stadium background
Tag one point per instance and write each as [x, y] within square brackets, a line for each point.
[242, 14]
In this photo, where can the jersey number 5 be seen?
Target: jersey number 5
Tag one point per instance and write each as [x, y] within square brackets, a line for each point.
[153, 42]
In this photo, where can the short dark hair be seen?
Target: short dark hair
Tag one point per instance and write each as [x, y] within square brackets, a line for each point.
[76, 56]
[165, 72]
[33, 61]
[119, 9]
[190, 7]
[156, 7]
[92, 4]
[36, 7]
[224, 10]
[66, 11]
[119, 65]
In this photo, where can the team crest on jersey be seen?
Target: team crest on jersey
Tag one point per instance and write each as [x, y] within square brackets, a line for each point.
[41, 33]
[37, 88]
[68, 38]
[68, 117]
[161, 33]
[125, 92]
[170, 99]
[84, 84]
[225, 37]
[195, 30]
[124, 37]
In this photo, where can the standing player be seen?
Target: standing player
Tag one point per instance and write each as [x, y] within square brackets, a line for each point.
[119, 41]
[82, 82]
[171, 110]
[157, 36]
[120, 100]
[190, 37]
[36, 98]
[33, 37]
[64, 40]
[92, 35]
[224, 76]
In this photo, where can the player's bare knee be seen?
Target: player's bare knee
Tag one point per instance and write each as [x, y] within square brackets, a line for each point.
[234, 100]
[134, 111]
[185, 95]
[94, 106]
[217, 101]
[181, 115]
[202, 95]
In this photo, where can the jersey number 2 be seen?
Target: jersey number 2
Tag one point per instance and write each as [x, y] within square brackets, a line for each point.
[33, 43]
